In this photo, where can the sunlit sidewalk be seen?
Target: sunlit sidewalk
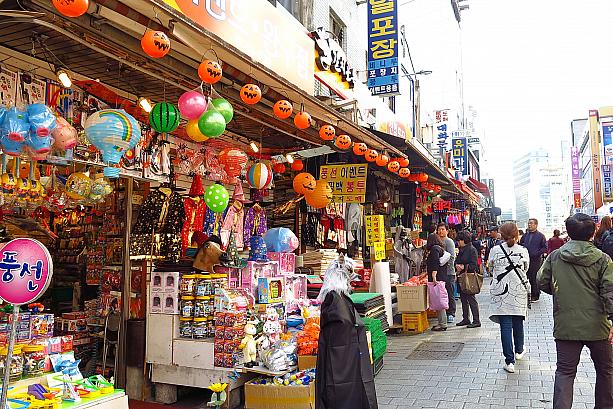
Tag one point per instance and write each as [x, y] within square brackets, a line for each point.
[475, 379]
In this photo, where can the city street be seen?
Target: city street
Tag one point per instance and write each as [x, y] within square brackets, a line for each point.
[475, 379]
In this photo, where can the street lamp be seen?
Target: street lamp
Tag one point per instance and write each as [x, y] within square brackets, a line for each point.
[417, 107]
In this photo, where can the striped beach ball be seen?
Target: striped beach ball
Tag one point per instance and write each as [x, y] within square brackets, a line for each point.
[164, 117]
[259, 175]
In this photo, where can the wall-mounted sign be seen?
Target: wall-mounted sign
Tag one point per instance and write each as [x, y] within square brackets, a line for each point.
[607, 187]
[383, 71]
[258, 29]
[375, 229]
[348, 182]
[331, 65]
[379, 247]
[441, 121]
[576, 176]
[595, 150]
[459, 152]
[607, 142]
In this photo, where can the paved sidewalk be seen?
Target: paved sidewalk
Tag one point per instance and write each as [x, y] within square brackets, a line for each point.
[475, 379]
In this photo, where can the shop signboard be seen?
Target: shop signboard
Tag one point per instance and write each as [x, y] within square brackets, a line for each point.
[383, 70]
[576, 176]
[375, 229]
[595, 151]
[607, 142]
[607, 188]
[332, 67]
[379, 247]
[459, 152]
[258, 29]
[348, 182]
[441, 121]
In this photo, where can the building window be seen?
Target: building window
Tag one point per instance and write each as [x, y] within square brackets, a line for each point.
[293, 6]
[338, 29]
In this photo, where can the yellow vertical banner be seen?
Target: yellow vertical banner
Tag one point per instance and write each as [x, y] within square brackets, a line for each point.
[379, 247]
[375, 229]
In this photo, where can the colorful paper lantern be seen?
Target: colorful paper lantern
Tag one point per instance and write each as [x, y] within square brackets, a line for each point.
[71, 8]
[155, 44]
[321, 196]
[327, 133]
[302, 120]
[282, 109]
[298, 165]
[251, 94]
[259, 176]
[210, 71]
[360, 148]
[216, 198]
[193, 131]
[304, 183]
[192, 104]
[224, 108]
[382, 160]
[233, 161]
[164, 117]
[113, 132]
[212, 123]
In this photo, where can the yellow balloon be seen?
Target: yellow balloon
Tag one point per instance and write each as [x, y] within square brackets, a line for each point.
[194, 132]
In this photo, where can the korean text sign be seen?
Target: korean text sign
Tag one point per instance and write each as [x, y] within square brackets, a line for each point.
[383, 74]
[348, 182]
[576, 175]
[607, 187]
[459, 151]
[26, 269]
[375, 229]
[441, 122]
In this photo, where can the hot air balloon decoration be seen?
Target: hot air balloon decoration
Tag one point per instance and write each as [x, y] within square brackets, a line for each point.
[259, 176]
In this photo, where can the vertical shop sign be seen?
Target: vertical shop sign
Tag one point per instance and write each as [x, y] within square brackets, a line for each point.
[348, 182]
[595, 150]
[459, 152]
[379, 247]
[607, 188]
[375, 229]
[383, 74]
[607, 142]
[576, 176]
[441, 123]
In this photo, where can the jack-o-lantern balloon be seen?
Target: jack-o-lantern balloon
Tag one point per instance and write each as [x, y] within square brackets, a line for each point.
[251, 94]
[382, 160]
[422, 177]
[210, 71]
[278, 168]
[298, 165]
[371, 155]
[304, 183]
[321, 196]
[404, 172]
[327, 132]
[155, 44]
[71, 8]
[404, 162]
[360, 148]
[282, 109]
[393, 166]
[343, 142]
[302, 120]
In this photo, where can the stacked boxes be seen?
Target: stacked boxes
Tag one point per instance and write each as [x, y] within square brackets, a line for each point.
[229, 331]
[164, 293]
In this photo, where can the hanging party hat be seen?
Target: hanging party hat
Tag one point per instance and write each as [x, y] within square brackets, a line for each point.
[257, 249]
[233, 259]
[196, 189]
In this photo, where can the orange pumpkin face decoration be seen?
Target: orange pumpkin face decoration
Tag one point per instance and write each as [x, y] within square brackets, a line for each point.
[251, 94]
[404, 172]
[422, 177]
[327, 132]
[209, 71]
[282, 109]
[278, 168]
[393, 166]
[304, 183]
[298, 165]
[404, 162]
[360, 148]
[371, 155]
[302, 120]
[343, 142]
[382, 160]
[155, 44]
[321, 196]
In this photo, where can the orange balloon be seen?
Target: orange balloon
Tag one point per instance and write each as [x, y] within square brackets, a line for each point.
[278, 168]
[298, 165]
[422, 177]
[71, 8]
[302, 120]
[327, 132]
[343, 142]
[382, 160]
[251, 94]
[304, 183]
[155, 44]
[210, 71]
[404, 162]
[360, 148]
[371, 155]
[393, 166]
[282, 109]
[321, 196]
[404, 172]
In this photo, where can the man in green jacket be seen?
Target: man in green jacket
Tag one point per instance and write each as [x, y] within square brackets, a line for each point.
[580, 278]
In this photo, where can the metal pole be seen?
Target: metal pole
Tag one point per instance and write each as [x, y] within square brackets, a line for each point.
[417, 111]
[9, 357]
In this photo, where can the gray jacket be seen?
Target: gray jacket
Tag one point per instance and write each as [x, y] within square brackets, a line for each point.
[450, 248]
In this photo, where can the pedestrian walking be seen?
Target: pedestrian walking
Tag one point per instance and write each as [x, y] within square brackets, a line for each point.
[580, 278]
[509, 290]
[466, 262]
[555, 242]
[491, 241]
[449, 247]
[536, 244]
[603, 229]
[436, 272]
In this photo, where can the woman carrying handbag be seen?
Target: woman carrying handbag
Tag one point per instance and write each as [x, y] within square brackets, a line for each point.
[467, 269]
[510, 293]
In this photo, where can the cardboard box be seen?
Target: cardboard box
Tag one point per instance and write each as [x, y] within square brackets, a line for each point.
[271, 290]
[279, 397]
[412, 299]
[287, 262]
[307, 362]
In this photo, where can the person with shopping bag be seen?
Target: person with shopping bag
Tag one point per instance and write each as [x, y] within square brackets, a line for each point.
[469, 280]
[436, 265]
[510, 291]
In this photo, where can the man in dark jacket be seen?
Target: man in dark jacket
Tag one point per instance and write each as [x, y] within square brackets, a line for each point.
[536, 243]
[580, 278]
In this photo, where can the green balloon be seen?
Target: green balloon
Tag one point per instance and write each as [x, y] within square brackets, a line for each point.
[224, 108]
[216, 198]
[212, 123]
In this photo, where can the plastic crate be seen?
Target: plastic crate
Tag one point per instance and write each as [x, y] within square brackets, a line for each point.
[415, 322]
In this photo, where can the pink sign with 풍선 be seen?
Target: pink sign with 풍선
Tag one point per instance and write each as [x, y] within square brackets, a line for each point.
[25, 271]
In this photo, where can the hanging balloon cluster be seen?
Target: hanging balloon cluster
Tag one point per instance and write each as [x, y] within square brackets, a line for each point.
[317, 193]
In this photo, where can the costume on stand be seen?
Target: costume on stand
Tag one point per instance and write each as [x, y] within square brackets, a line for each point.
[148, 223]
[255, 223]
[170, 233]
[234, 219]
[195, 208]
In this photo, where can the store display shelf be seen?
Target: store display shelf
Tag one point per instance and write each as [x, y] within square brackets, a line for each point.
[262, 370]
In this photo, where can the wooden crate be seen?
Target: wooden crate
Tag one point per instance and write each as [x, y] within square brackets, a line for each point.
[416, 322]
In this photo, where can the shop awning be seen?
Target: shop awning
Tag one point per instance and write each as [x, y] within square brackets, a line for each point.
[479, 186]
[468, 192]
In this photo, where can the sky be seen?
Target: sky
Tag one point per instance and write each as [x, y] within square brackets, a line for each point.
[530, 67]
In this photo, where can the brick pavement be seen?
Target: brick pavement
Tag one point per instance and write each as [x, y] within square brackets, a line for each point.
[475, 379]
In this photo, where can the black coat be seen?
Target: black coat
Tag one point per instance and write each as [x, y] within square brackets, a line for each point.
[468, 256]
[433, 263]
[344, 377]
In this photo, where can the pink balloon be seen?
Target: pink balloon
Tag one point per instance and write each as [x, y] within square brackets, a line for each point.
[192, 104]
[64, 134]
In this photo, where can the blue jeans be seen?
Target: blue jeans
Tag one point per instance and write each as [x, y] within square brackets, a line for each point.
[511, 330]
